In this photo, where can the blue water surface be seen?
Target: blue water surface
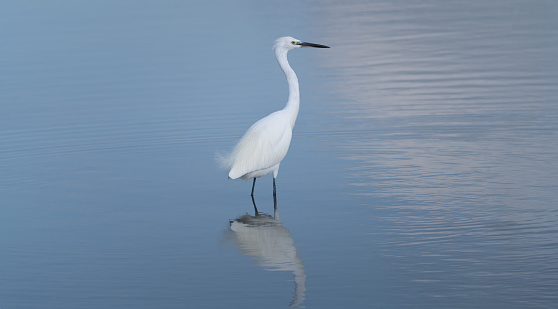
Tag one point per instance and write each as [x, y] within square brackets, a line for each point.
[422, 171]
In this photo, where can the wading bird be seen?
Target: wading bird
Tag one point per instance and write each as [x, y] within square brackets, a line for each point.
[263, 146]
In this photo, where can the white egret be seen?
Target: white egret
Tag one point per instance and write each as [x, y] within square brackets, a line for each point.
[263, 146]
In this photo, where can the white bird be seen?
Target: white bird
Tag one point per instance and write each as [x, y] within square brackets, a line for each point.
[265, 144]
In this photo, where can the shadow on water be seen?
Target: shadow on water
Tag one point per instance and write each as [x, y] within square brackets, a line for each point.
[264, 238]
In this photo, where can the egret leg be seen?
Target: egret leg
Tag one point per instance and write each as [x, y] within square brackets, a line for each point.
[274, 188]
[254, 202]
[253, 185]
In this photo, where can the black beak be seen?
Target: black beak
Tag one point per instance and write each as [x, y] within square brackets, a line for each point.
[306, 44]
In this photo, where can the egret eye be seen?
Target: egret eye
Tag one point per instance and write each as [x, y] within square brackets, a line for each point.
[294, 42]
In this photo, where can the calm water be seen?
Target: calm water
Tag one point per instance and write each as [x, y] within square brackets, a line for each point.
[422, 172]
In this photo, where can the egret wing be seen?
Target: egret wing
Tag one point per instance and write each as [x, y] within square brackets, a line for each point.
[264, 145]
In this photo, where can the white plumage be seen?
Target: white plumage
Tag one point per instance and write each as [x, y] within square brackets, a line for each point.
[265, 144]
[262, 147]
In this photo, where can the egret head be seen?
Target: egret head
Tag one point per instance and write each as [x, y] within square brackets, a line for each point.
[289, 43]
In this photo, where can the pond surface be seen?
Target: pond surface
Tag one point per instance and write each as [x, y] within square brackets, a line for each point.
[422, 171]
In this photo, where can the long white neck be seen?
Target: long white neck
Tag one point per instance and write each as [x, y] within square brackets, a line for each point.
[294, 97]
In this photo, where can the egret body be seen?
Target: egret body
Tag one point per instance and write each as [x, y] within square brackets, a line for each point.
[265, 144]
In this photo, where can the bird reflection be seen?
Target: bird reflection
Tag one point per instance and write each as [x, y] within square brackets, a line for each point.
[264, 238]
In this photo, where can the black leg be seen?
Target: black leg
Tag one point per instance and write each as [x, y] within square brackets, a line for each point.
[274, 187]
[253, 185]
[255, 208]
